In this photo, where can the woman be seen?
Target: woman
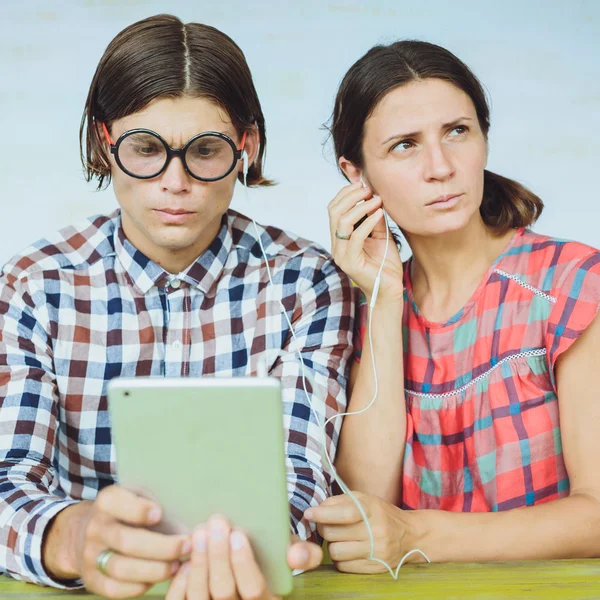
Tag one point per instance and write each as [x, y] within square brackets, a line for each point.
[485, 342]
[173, 283]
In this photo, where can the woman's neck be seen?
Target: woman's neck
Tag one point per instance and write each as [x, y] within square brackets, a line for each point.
[446, 269]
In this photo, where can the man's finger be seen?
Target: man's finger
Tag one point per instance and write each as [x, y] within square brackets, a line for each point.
[249, 580]
[141, 543]
[220, 575]
[125, 568]
[111, 588]
[178, 587]
[197, 588]
[128, 507]
[304, 556]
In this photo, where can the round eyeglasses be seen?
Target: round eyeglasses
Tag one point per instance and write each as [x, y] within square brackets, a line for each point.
[143, 154]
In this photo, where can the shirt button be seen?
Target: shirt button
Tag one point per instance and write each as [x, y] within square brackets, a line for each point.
[175, 284]
[177, 345]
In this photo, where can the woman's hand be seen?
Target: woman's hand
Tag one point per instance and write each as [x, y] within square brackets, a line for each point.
[340, 523]
[361, 254]
[222, 565]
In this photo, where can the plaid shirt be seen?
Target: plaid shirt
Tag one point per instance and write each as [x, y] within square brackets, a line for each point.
[483, 428]
[86, 306]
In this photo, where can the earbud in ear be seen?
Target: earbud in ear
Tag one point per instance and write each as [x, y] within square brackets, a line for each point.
[245, 163]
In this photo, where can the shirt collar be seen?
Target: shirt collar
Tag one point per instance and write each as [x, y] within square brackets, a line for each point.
[202, 273]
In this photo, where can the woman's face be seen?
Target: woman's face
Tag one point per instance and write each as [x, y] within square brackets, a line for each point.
[422, 143]
[172, 218]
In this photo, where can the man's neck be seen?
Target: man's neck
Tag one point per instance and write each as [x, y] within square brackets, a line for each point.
[171, 259]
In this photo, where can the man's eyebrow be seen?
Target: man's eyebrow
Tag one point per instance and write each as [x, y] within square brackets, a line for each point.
[417, 133]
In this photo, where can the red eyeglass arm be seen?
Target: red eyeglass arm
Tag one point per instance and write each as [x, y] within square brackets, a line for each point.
[107, 134]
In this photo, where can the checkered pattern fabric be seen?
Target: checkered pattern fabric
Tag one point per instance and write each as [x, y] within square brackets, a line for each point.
[483, 425]
[86, 306]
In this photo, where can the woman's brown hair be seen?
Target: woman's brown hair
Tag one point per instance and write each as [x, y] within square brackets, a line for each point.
[506, 203]
[161, 57]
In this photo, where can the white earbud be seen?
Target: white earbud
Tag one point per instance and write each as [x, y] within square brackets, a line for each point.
[245, 164]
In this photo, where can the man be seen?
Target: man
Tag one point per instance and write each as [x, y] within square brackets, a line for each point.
[174, 283]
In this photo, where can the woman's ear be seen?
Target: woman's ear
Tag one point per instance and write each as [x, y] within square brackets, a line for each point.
[350, 170]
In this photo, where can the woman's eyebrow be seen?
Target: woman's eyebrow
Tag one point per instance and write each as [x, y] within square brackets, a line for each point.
[417, 133]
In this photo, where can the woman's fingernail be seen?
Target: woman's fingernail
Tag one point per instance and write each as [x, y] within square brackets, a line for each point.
[309, 514]
[200, 540]
[237, 540]
[186, 568]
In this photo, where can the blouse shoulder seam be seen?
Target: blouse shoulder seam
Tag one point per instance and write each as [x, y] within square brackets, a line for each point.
[527, 286]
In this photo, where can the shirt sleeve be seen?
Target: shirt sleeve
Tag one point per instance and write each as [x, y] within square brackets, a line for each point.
[29, 492]
[321, 309]
[360, 323]
[577, 295]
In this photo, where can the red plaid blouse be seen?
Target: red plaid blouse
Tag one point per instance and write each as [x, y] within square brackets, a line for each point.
[483, 429]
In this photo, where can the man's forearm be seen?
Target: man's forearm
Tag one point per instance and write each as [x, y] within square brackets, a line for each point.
[63, 539]
[565, 528]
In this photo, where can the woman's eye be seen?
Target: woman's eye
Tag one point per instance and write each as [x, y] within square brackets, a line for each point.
[460, 129]
[403, 146]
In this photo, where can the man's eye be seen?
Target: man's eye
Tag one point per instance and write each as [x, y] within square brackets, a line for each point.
[146, 150]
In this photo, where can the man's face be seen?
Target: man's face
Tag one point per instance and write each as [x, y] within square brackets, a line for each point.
[173, 217]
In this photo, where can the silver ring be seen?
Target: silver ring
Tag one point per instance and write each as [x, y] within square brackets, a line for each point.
[102, 561]
[342, 236]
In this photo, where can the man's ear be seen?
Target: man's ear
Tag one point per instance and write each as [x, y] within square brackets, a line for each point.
[349, 169]
[251, 145]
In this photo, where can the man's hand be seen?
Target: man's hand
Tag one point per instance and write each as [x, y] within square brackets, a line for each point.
[117, 520]
[223, 566]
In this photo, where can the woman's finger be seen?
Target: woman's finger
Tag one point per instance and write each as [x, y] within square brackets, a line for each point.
[349, 219]
[360, 566]
[345, 203]
[356, 243]
[338, 514]
[249, 579]
[342, 533]
[341, 194]
[347, 551]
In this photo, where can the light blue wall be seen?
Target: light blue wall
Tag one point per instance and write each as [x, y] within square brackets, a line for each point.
[540, 61]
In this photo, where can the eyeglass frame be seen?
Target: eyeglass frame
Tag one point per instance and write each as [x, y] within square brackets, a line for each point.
[171, 152]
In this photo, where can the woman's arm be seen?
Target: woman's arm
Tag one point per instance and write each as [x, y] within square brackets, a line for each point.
[371, 447]
[565, 528]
